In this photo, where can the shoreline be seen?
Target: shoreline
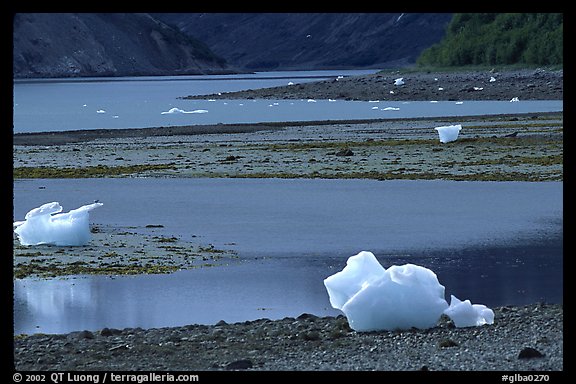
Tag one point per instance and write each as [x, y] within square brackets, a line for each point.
[463, 85]
[54, 138]
[522, 338]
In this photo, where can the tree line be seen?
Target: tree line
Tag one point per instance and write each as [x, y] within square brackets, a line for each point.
[498, 39]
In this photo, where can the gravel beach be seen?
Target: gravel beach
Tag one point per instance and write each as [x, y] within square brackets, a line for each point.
[514, 147]
[527, 338]
[525, 84]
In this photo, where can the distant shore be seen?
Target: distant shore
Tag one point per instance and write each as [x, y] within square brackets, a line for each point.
[524, 84]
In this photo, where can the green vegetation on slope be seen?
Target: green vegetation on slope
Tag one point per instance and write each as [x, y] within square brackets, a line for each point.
[499, 39]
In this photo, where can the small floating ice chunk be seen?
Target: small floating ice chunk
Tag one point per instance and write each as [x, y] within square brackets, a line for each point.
[433, 101]
[448, 133]
[331, 100]
[373, 101]
[390, 109]
[459, 102]
[466, 314]
[100, 111]
[178, 110]
[311, 101]
[374, 108]
[46, 225]
[399, 81]
[374, 298]
[514, 99]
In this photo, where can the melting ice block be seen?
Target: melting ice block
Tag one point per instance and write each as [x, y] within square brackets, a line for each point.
[46, 225]
[375, 298]
[448, 133]
[466, 314]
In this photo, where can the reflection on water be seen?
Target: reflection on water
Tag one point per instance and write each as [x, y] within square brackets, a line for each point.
[487, 241]
[272, 288]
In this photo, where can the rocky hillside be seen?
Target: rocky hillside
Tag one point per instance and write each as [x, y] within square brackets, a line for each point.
[307, 41]
[110, 44]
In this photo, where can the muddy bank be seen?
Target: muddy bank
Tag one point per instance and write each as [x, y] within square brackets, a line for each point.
[508, 147]
[118, 251]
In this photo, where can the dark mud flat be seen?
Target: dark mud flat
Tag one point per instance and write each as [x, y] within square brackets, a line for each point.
[526, 338]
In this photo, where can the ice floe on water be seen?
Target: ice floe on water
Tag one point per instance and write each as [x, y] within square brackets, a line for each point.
[46, 225]
[400, 297]
[178, 110]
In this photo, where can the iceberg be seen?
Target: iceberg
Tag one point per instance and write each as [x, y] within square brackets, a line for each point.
[398, 298]
[448, 133]
[466, 314]
[46, 225]
[375, 298]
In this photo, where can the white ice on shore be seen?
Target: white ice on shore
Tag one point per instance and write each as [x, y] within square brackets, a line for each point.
[399, 81]
[466, 314]
[375, 298]
[448, 133]
[398, 298]
[46, 225]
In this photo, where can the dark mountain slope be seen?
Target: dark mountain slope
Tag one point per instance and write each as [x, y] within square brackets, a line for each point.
[109, 44]
[272, 41]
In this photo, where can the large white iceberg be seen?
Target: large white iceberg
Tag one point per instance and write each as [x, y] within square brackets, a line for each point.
[448, 133]
[375, 298]
[400, 297]
[46, 225]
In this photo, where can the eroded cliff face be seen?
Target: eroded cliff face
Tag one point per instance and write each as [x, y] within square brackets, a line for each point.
[307, 41]
[108, 44]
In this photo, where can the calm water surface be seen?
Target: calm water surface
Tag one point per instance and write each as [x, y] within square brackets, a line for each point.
[495, 243]
[138, 102]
